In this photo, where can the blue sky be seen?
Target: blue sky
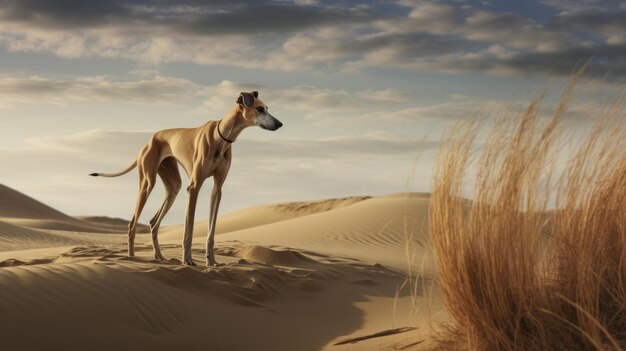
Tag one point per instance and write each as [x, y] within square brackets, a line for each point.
[361, 86]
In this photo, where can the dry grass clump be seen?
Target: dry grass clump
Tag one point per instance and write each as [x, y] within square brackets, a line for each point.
[515, 275]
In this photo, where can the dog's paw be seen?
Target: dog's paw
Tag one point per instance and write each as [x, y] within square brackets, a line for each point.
[189, 262]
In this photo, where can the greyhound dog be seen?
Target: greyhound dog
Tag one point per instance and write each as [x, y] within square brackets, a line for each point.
[203, 152]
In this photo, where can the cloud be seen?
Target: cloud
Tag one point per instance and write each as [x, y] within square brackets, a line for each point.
[299, 104]
[306, 2]
[367, 145]
[325, 106]
[117, 143]
[434, 16]
[180, 17]
[605, 61]
[216, 32]
[62, 14]
[93, 143]
[448, 111]
[387, 95]
[604, 24]
[324, 36]
[583, 5]
[464, 39]
[20, 89]
[270, 18]
[365, 110]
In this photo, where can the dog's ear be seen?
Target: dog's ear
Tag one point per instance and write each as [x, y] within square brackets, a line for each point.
[256, 94]
[246, 99]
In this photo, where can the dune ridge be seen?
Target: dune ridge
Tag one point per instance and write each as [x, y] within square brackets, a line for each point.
[267, 214]
[14, 204]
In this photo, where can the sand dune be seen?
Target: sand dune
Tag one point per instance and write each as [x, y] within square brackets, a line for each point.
[112, 224]
[70, 225]
[24, 212]
[15, 237]
[26, 223]
[373, 229]
[14, 204]
[321, 275]
[266, 214]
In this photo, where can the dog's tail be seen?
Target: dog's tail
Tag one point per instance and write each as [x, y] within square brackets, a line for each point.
[112, 175]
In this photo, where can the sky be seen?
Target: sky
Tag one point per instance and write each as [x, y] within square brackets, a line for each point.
[363, 88]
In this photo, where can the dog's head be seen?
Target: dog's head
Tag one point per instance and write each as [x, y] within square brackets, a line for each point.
[255, 112]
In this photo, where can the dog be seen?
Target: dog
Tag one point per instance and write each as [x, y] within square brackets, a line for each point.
[203, 152]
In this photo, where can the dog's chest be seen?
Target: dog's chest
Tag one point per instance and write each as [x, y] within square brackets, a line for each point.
[218, 156]
[216, 160]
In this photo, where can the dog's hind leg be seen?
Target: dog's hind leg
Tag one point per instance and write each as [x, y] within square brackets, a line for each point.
[147, 165]
[168, 171]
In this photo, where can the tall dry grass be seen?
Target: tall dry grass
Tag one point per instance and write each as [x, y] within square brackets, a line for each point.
[537, 259]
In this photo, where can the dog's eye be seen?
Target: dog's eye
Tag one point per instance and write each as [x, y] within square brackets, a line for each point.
[260, 109]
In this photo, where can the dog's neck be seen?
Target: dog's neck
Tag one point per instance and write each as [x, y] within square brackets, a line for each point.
[232, 125]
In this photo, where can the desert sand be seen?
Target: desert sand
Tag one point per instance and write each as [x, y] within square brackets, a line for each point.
[313, 275]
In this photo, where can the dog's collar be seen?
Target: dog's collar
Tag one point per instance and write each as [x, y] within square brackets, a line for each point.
[220, 133]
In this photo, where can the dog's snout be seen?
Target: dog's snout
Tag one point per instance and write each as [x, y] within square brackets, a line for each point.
[269, 122]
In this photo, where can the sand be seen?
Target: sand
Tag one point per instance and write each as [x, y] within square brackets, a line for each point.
[312, 275]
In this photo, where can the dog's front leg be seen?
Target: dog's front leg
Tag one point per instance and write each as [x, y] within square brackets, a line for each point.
[216, 197]
[192, 199]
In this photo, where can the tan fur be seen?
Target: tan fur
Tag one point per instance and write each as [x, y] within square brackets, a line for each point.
[202, 153]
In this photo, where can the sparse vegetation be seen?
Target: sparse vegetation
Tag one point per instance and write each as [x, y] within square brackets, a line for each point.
[537, 259]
